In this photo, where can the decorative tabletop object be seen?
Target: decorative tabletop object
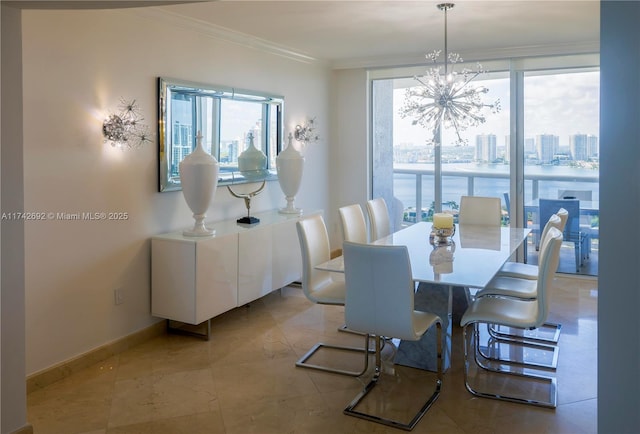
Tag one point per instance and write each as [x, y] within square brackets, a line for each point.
[199, 179]
[290, 164]
[248, 219]
[443, 229]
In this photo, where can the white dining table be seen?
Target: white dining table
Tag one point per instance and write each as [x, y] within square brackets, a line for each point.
[475, 254]
[470, 260]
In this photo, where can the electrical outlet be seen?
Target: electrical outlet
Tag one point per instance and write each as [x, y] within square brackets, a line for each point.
[118, 296]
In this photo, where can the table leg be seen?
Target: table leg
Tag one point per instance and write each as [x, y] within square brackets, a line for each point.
[421, 354]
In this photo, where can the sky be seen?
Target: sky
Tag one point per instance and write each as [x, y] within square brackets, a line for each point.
[559, 104]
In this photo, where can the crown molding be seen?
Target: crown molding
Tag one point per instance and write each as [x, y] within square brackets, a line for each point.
[471, 56]
[222, 33]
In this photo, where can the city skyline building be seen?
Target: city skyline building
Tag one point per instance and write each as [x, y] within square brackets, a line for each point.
[486, 147]
[547, 147]
[578, 147]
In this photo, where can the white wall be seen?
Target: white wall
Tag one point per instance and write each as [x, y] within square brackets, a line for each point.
[77, 65]
[350, 145]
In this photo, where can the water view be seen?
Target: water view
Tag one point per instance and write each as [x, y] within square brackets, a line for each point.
[489, 180]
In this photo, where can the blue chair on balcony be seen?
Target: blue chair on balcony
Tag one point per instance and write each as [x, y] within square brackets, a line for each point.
[572, 232]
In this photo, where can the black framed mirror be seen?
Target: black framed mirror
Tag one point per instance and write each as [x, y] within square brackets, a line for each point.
[229, 119]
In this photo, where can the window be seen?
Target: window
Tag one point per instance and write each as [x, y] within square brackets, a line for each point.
[551, 131]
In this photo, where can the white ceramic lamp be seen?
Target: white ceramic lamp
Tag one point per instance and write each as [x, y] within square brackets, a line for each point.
[290, 164]
[199, 179]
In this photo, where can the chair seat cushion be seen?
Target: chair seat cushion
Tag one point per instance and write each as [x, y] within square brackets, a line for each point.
[509, 312]
[510, 287]
[422, 321]
[519, 270]
[330, 291]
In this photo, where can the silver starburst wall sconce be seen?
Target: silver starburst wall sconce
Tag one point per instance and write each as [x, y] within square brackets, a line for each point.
[125, 129]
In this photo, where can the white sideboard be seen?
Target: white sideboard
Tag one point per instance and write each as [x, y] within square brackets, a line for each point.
[194, 279]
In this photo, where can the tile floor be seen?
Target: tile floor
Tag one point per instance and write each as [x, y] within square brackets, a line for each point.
[244, 380]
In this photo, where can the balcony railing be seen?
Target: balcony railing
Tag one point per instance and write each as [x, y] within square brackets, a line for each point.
[532, 181]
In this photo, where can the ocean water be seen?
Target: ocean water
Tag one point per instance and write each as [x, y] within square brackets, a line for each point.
[453, 187]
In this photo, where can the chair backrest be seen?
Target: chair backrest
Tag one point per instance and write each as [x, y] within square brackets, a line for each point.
[354, 226]
[379, 290]
[575, 194]
[315, 249]
[553, 222]
[572, 206]
[379, 223]
[564, 216]
[478, 210]
[550, 258]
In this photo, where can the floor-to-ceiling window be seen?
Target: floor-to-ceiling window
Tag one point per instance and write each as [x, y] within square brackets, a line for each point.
[558, 108]
[561, 156]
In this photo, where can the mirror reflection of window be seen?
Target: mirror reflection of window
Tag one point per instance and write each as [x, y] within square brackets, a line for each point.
[238, 119]
[181, 129]
[225, 117]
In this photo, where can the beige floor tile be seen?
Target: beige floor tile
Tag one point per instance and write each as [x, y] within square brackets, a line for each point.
[161, 396]
[244, 379]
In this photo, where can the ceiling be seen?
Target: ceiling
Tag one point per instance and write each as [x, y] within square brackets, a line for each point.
[362, 32]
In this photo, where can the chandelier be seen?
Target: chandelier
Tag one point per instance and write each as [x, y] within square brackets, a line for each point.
[448, 99]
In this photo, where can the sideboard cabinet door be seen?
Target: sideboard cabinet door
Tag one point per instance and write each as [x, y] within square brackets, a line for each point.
[287, 258]
[216, 277]
[255, 263]
[193, 280]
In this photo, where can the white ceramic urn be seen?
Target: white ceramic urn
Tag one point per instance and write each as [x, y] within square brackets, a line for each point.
[290, 164]
[252, 162]
[199, 179]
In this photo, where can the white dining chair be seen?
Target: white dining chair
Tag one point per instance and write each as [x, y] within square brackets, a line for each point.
[514, 313]
[322, 287]
[479, 210]
[529, 271]
[518, 280]
[379, 223]
[380, 302]
[354, 225]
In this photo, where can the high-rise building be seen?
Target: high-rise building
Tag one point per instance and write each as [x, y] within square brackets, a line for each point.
[547, 146]
[593, 150]
[578, 147]
[486, 147]
[181, 145]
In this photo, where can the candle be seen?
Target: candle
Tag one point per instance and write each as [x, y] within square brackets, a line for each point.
[442, 221]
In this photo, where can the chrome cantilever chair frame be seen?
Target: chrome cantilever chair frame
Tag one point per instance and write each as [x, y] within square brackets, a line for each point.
[515, 313]
[551, 381]
[320, 287]
[494, 344]
[370, 272]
